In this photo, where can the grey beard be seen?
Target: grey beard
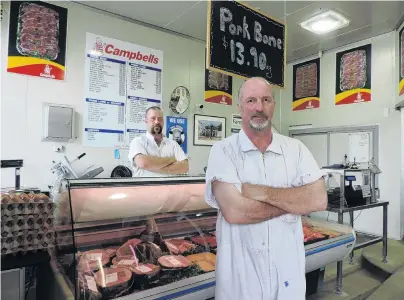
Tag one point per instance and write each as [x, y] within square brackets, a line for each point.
[260, 127]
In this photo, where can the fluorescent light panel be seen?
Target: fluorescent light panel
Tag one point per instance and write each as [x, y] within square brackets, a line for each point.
[325, 22]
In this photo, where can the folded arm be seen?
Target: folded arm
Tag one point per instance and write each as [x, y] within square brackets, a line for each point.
[177, 167]
[238, 209]
[299, 200]
[153, 163]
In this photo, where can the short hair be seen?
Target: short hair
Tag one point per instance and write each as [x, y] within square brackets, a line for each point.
[241, 87]
[152, 108]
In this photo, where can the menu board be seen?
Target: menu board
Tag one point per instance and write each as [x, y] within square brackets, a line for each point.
[122, 80]
[306, 85]
[353, 75]
[401, 68]
[244, 42]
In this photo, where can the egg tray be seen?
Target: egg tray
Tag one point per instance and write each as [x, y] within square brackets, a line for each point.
[27, 222]
[27, 238]
[26, 249]
[27, 208]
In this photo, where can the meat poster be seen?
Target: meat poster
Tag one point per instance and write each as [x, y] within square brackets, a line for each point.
[37, 39]
[401, 68]
[177, 130]
[306, 85]
[353, 75]
[218, 87]
[122, 80]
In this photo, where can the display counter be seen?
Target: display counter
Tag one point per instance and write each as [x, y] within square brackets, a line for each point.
[152, 238]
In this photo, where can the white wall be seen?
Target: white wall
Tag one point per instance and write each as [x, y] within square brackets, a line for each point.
[22, 96]
[399, 99]
[383, 96]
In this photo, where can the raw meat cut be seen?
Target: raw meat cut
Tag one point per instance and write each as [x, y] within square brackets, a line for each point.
[88, 287]
[306, 81]
[353, 70]
[114, 281]
[148, 252]
[206, 261]
[89, 260]
[204, 240]
[145, 269]
[178, 246]
[125, 261]
[174, 261]
[38, 31]
[128, 248]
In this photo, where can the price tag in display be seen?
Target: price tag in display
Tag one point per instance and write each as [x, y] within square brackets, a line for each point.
[244, 42]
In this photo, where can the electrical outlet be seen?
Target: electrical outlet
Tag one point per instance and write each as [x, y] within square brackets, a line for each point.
[58, 148]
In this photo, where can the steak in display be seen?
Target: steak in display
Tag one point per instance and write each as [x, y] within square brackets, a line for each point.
[38, 31]
[204, 240]
[353, 70]
[90, 260]
[113, 282]
[128, 248]
[306, 81]
[88, 288]
[145, 269]
[148, 252]
[178, 246]
[174, 261]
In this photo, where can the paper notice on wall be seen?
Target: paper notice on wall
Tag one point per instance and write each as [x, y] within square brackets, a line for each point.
[122, 80]
[235, 123]
[359, 147]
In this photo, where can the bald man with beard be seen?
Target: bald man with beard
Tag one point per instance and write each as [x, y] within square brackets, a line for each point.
[153, 154]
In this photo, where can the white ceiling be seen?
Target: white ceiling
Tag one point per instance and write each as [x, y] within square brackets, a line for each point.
[368, 19]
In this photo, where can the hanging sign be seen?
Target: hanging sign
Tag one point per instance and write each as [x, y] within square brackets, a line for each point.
[401, 69]
[306, 85]
[244, 42]
[37, 39]
[176, 129]
[353, 78]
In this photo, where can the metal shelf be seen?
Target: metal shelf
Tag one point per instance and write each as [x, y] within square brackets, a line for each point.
[365, 239]
[355, 208]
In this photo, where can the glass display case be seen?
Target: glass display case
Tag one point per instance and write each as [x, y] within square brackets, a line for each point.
[152, 238]
[135, 239]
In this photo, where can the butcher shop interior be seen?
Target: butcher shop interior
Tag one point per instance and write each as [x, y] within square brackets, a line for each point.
[82, 219]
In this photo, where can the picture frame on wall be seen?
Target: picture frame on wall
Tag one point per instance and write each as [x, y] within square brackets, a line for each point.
[208, 130]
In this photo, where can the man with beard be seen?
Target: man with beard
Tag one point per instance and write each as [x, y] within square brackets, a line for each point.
[153, 154]
[261, 182]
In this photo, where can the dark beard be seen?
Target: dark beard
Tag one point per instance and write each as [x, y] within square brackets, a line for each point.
[156, 129]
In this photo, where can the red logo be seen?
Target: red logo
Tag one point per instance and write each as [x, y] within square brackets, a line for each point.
[110, 49]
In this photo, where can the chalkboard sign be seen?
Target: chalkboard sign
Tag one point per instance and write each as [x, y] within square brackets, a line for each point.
[243, 42]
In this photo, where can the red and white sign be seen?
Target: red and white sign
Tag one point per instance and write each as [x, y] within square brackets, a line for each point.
[122, 80]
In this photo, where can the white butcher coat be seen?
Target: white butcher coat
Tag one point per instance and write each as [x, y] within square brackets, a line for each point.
[261, 261]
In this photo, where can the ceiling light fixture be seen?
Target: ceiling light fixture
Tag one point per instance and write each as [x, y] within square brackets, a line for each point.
[325, 22]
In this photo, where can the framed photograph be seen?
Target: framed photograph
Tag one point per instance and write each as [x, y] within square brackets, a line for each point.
[208, 130]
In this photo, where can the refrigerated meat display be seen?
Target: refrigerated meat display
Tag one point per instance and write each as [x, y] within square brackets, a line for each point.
[153, 238]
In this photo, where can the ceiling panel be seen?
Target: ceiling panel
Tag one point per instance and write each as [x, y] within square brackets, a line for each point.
[193, 23]
[189, 17]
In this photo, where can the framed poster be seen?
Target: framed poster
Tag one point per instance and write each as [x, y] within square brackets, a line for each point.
[306, 85]
[177, 130]
[401, 60]
[244, 42]
[353, 75]
[208, 130]
[218, 87]
[37, 39]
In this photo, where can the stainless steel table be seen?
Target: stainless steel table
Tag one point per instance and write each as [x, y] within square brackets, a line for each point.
[363, 239]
